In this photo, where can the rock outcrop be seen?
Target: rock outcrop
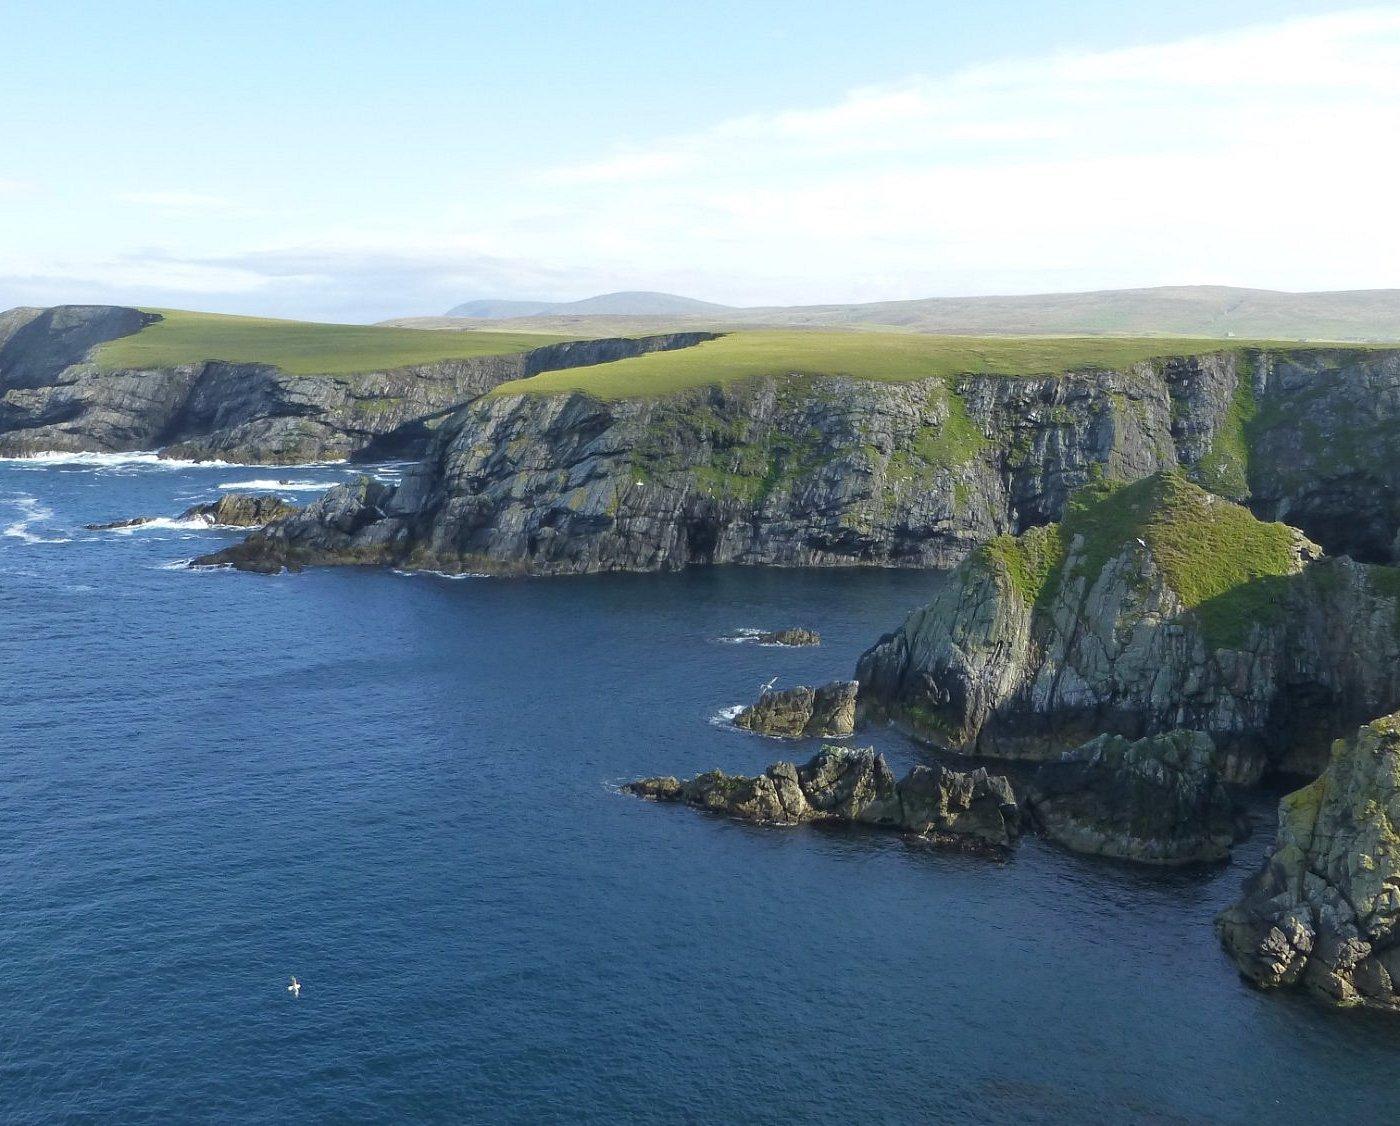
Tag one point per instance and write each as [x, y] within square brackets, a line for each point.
[792, 637]
[1323, 912]
[232, 510]
[794, 713]
[832, 471]
[856, 786]
[54, 397]
[1159, 800]
[1153, 607]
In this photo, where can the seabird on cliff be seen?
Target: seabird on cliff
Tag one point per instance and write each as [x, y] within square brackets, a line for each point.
[295, 988]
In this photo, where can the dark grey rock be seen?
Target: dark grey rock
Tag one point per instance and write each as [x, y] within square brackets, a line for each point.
[1159, 800]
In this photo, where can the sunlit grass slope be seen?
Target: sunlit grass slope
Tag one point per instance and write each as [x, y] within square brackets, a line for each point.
[886, 357]
[301, 347]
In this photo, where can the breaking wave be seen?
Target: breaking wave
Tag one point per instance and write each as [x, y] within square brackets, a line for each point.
[32, 513]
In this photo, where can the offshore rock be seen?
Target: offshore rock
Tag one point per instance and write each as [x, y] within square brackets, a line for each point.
[835, 472]
[1153, 607]
[1323, 913]
[856, 786]
[326, 528]
[791, 637]
[794, 713]
[232, 510]
[1159, 800]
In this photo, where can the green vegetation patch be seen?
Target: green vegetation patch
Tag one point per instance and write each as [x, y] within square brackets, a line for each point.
[1228, 567]
[888, 357]
[1029, 560]
[1225, 468]
[301, 347]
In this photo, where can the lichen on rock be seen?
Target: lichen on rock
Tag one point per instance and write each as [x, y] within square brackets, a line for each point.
[1323, 912]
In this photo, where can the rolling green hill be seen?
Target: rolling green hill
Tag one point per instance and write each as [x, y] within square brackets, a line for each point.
[1367, 316]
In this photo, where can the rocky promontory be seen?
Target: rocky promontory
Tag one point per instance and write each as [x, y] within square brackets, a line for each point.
[55, 395]
[794, 713]
[856, 786]
[1159, 800]
[1324, 913]
[1154, 607]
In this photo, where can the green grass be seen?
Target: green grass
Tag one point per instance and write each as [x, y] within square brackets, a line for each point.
[1227, 567]
[1225, 468]
[300, 347]
[878, 356]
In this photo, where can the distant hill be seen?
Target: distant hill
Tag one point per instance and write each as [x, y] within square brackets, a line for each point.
[639, 304]
[1364, 315]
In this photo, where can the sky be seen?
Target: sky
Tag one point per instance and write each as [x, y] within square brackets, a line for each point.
[357, 161]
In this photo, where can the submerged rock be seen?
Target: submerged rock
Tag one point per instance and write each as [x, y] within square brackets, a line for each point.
[1324, 913]
[1154, 607]
[232, 510]
[855, 786]
[1159, 800]
[793, 636]
[794, 713]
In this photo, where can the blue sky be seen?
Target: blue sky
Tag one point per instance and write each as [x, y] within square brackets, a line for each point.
[362, 160]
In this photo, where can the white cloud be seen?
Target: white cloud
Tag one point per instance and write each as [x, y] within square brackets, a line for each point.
[1261, 156]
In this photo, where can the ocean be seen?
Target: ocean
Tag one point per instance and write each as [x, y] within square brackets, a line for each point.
[402, 789]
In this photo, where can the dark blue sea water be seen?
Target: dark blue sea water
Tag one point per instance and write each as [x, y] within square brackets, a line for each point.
[399, 789]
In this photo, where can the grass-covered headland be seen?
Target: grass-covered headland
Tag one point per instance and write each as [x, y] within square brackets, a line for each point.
[892, 357]
[300, 347]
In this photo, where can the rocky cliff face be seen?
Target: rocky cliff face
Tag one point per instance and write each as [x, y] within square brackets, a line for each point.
[856, 786]
[1154, 607]
[1324, 912]
[829, 471]
[53, 399]
[1159, 800]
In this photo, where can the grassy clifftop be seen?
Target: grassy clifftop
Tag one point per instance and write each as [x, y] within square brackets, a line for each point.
[881, 356]
[300, 347]
[1223, 563]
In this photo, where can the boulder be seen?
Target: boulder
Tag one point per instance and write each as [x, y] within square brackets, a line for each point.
[795, 713]
[1324, 912]
[232, 510]
[856, 786]
[1158, 800]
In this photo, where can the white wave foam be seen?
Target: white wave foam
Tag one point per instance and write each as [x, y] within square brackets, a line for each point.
[32, 513]
[164, 523]
[746, 636]
[274, 485]
[453, 575]
[146, 458]
[725, 716]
